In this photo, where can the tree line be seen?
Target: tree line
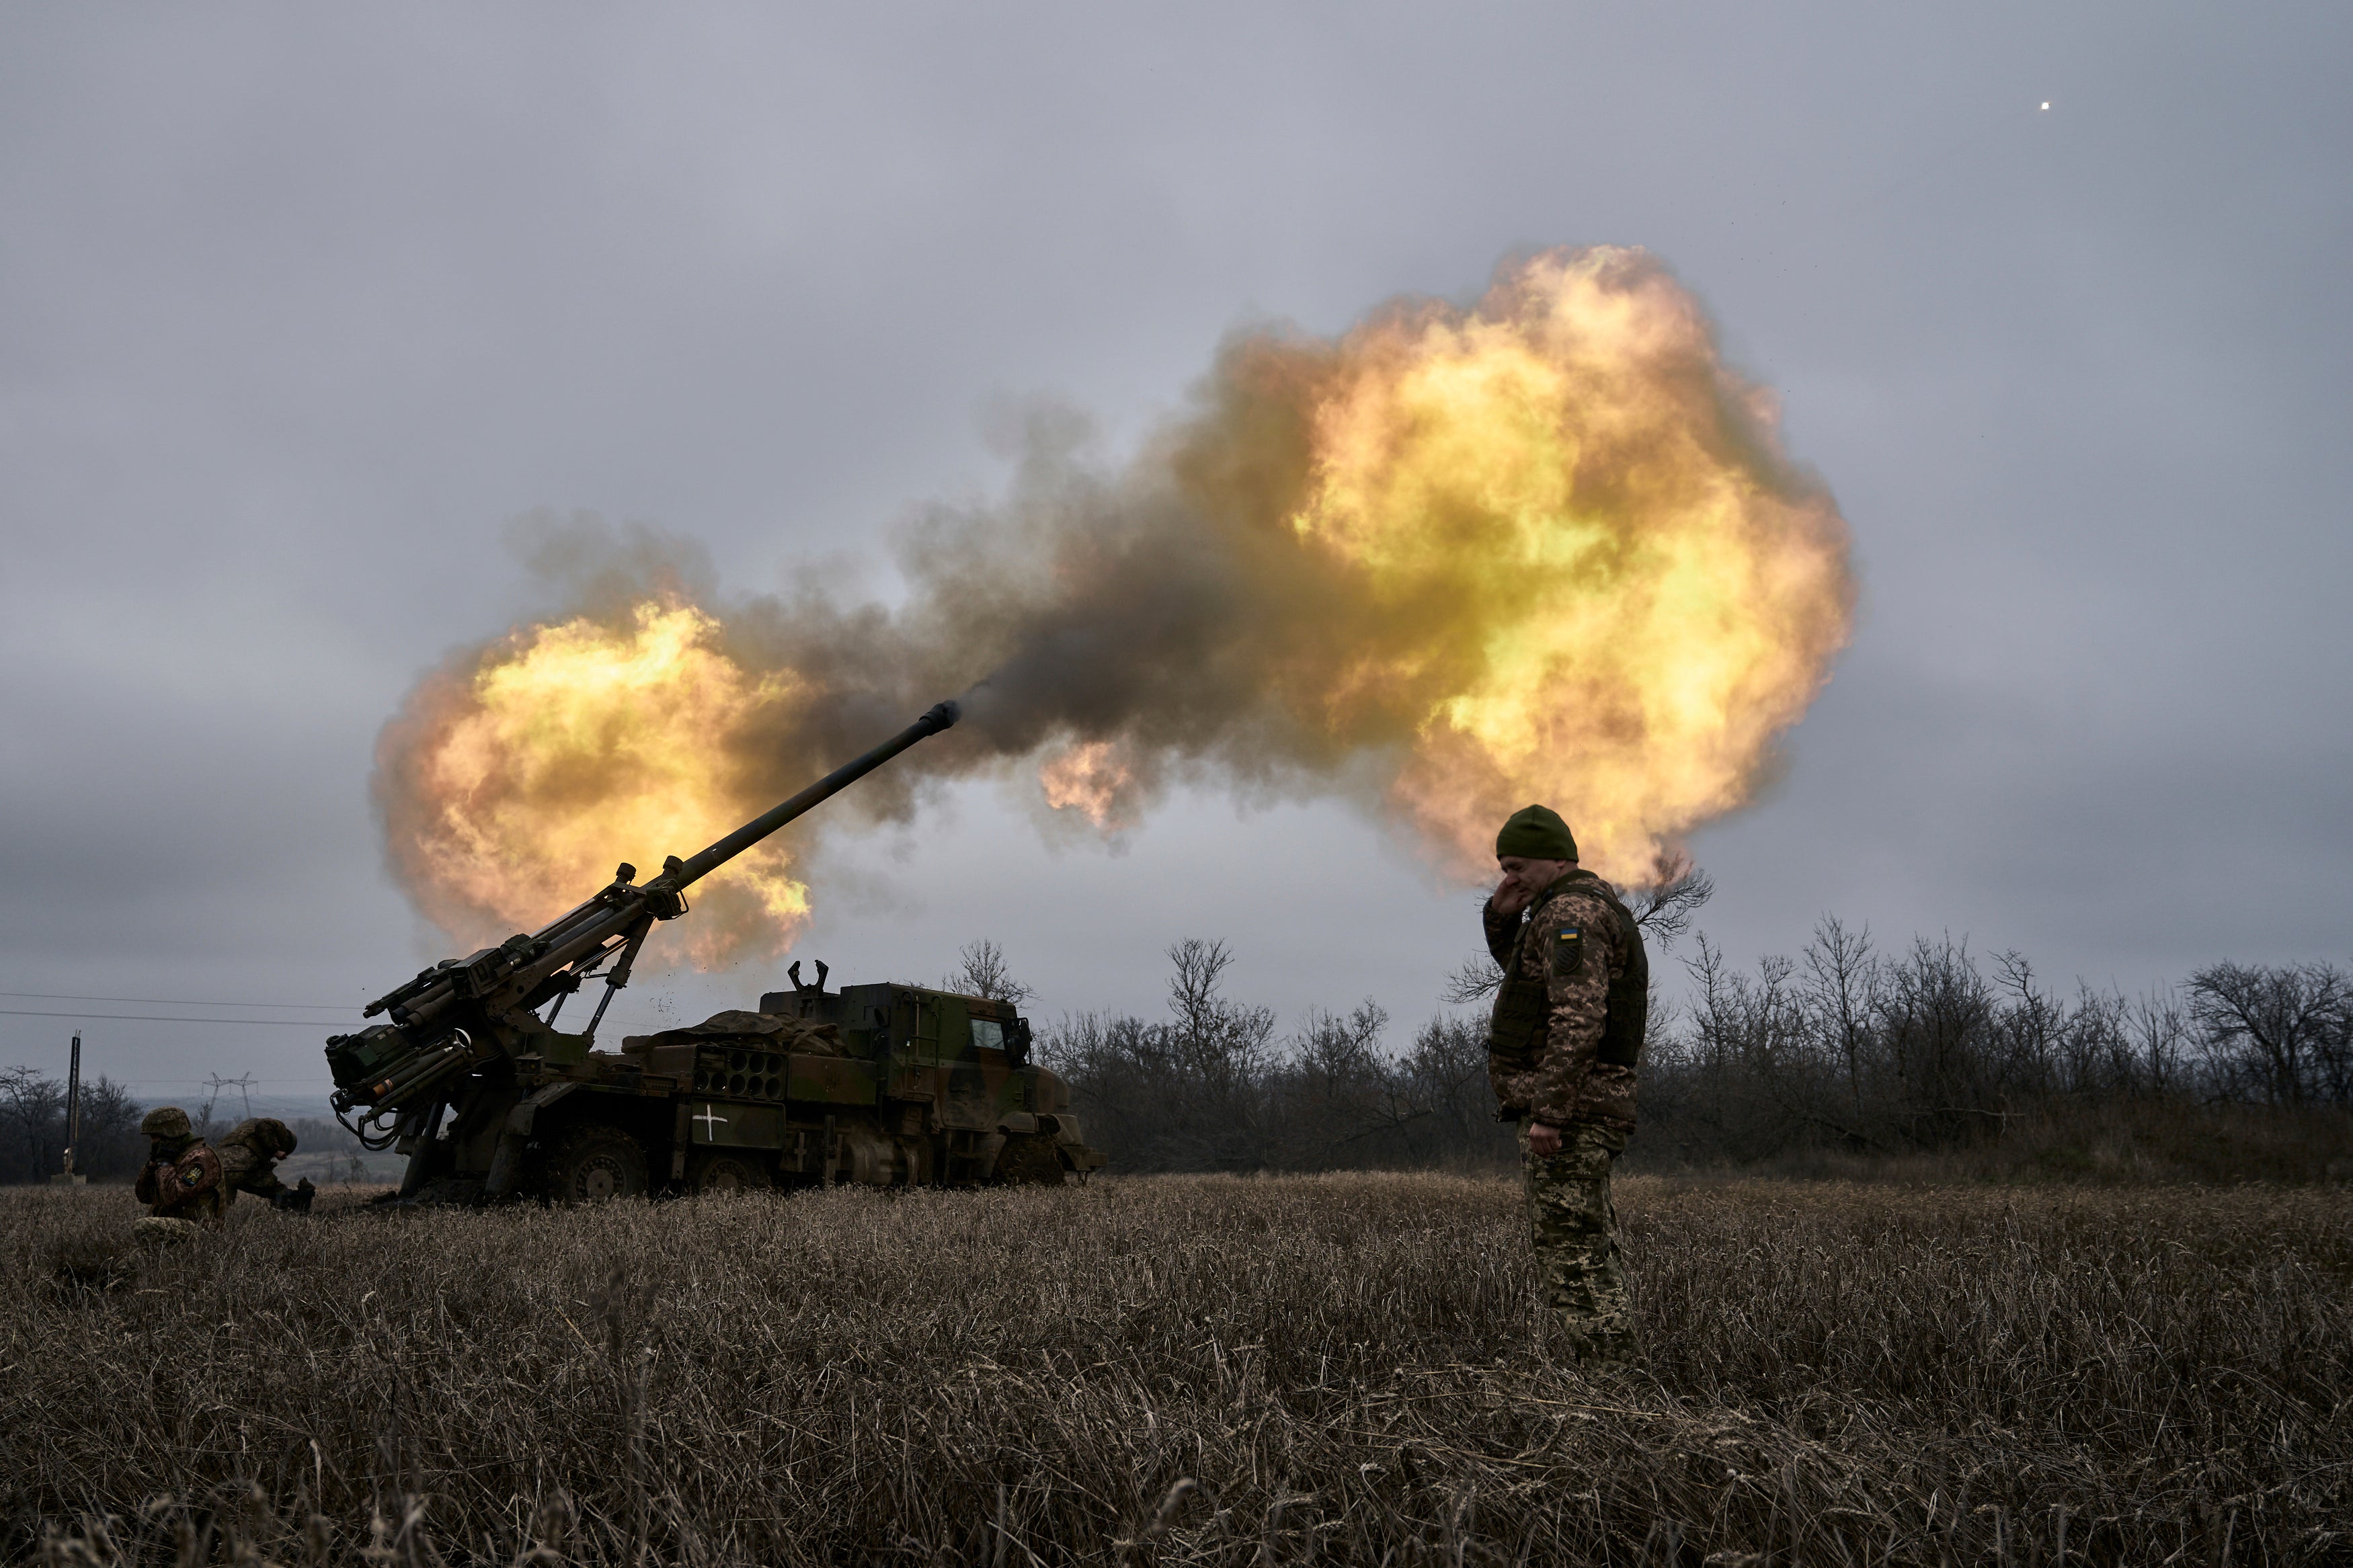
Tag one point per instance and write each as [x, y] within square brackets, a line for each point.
[33, 1131]
[1932, 1047]
[1846, 1047]
[33, 1128]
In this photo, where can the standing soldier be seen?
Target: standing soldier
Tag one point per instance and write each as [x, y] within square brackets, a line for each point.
[249, 1157]
[1561, 1047]
[181, 1185]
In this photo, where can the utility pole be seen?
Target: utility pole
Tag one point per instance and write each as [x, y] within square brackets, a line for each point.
[73, 1118]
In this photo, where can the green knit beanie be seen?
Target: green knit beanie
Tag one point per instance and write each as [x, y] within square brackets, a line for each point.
[1536, 833]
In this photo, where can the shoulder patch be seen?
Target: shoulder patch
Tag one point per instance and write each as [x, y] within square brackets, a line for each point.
[1568, 950]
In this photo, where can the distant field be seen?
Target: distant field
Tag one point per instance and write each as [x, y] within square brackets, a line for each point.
[1186, 1369]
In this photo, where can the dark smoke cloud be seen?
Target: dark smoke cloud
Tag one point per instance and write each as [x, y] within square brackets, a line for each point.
[1175, 617]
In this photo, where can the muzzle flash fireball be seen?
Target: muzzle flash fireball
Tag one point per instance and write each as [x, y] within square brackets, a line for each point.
[1542, 547]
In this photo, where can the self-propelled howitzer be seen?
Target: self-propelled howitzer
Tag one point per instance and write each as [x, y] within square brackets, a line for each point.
[468, 1038]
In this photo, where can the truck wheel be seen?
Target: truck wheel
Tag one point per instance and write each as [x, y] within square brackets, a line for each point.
[731, 1174]
[1030, 1159]
[594, 1164]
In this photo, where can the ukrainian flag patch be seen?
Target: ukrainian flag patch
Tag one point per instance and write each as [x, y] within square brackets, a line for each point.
[1567, 951]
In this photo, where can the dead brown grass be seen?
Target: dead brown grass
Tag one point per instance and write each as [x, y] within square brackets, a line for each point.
[1186, 1369]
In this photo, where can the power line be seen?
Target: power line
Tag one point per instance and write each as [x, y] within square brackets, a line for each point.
[172, 1018]
[174, 1001]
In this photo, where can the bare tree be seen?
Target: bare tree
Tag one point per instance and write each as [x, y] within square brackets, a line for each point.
[1477, 977]
[1842, 971]
[2278, 1035]
[33, 1127]
[1190, 1094]
[1226, 1043]
[2031, 1027]
[983, 973]
[1445, 1073]
[1341, 1097]
[1341, 1050]
[31, 1122]
[1928, 1048]
[1665, 908]
[2158, 1029]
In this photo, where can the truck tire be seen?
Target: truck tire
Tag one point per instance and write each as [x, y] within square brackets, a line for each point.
[731, 1174]
[1030, 1159]
[595, 1163]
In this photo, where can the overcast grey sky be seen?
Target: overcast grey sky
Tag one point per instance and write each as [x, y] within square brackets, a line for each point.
[298, 306]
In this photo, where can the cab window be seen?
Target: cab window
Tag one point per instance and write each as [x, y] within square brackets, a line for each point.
[988, 1033]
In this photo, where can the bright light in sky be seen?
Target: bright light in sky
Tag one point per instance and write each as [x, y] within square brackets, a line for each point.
[2046, 105]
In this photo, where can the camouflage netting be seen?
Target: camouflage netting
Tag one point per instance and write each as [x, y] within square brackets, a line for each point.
[759, 1031]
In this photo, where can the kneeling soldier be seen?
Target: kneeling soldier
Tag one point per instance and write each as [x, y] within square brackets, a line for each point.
[181, 1185]
[249, 1157]
[1568, 1023]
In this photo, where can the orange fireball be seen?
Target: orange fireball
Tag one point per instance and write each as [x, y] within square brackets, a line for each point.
[1546, 548]
[515, 783]
[1570, 511]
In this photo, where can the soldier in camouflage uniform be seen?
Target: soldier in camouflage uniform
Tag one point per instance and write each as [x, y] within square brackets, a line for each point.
[181, 1185]
[1568, 1023]
[250, 1156]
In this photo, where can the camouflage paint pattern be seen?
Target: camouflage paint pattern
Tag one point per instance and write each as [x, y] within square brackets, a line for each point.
[1573, 1227]
[934, 1071]
[903, 1084]
[249, 1155]
[182, 1183]
[1571, 939]
[949, 1051]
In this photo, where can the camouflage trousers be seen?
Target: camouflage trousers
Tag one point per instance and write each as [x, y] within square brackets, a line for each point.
[1574, 1228]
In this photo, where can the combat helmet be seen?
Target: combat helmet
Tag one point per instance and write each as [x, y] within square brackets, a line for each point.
[167, 1123]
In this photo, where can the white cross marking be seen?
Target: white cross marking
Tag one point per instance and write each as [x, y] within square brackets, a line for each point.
[708, 1120]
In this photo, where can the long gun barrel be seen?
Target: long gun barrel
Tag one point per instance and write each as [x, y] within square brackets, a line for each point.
[941, 716]
[467, 1014]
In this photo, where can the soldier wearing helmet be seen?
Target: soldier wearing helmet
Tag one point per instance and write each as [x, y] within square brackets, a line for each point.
[1568, 1025]
[250, 1156]
[182, 1185]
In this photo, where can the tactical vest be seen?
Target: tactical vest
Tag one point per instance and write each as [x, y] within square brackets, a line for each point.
[1516, 1027]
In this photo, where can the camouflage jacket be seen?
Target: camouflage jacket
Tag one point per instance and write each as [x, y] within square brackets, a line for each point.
[245, 1168]
[186, 1186]
[1561, 960]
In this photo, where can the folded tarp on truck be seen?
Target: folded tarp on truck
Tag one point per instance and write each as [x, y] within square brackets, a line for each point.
[738, 1027]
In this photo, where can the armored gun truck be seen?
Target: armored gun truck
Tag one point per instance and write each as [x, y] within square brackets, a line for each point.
[884, 1085]
[887, 1085]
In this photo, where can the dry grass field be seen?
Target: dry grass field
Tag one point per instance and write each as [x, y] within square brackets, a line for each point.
[1182, 1370]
